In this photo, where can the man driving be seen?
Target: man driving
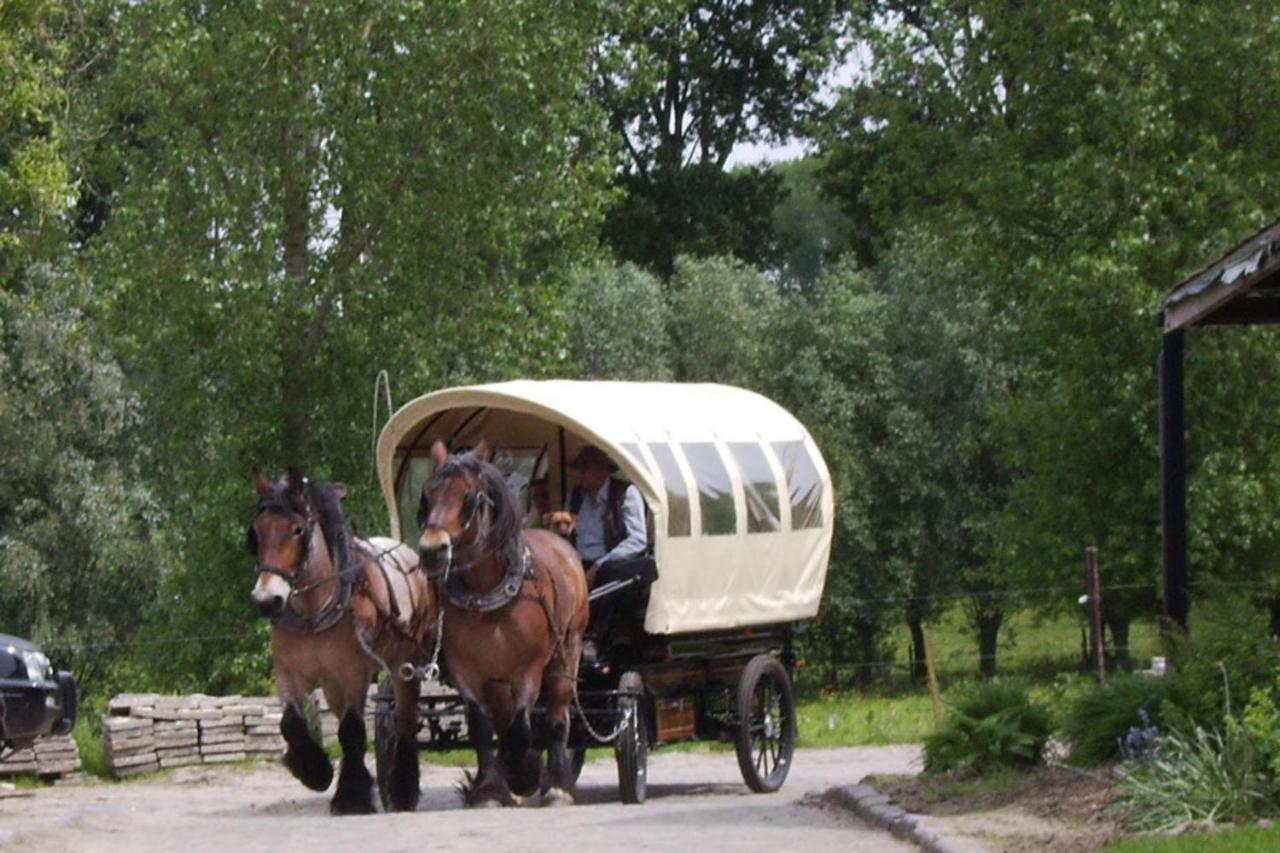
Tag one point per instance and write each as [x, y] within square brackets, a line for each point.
[610, 532]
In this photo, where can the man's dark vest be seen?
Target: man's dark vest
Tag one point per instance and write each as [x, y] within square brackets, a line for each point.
[614, 528]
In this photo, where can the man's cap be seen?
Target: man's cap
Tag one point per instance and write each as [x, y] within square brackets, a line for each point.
[589, 454]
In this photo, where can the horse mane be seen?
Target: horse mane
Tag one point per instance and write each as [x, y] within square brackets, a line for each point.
[506, 529]
[325, 504]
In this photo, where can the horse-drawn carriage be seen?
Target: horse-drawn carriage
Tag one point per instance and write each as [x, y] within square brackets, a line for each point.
[739, 505]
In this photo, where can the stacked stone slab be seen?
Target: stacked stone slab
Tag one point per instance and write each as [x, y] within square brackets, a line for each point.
[129, 745]
[144, 731]
[50, 757]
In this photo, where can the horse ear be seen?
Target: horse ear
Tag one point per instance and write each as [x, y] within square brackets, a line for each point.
[439, 452]
[483, 451]
[339, 490]
[260, 483]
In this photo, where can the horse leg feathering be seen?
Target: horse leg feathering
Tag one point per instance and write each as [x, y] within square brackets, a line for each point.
[355, 786]
[305, 758]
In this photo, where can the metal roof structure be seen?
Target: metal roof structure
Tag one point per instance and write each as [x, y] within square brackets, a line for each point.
[1242, 287]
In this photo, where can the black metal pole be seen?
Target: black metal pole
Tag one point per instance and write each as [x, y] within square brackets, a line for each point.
[1173, 479]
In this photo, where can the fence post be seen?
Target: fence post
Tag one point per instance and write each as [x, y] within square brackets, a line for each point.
[934, 693]
[1093, 588]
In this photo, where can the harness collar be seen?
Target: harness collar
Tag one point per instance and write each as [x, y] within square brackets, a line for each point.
[504, 593]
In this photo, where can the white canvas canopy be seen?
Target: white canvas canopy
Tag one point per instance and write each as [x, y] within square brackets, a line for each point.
[739, 495]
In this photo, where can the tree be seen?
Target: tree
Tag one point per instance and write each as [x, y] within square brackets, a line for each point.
[34, 177]
[684, 83]
[618, 324]
[1089, 153]
[837, 378]
[722, 314]
[301, 195]
[812, 229]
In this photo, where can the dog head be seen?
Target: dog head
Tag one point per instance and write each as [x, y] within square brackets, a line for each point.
[561, 522]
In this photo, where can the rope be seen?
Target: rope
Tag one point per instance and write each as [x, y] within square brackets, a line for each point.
[383, 379]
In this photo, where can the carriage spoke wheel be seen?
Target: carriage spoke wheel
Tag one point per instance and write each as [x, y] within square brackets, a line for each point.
[766, 737]
[631, 749]
[383, 733]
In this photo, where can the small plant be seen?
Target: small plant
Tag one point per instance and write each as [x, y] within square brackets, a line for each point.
[992, 725]
[1208, 776]
[1142, 743]
[1102, 718]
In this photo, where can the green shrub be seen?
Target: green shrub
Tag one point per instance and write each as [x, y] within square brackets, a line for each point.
[1100, 717]
[1207, 776]
[991, 725]
[1229, 652]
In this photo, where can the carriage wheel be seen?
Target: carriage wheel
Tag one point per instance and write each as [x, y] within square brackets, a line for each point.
[766, 724]
[632, 746]
[383, 734]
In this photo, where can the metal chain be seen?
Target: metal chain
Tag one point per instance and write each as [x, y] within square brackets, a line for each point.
[612, 736]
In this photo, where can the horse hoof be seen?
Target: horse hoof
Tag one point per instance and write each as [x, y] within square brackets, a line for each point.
[557, 797]
[351, 805]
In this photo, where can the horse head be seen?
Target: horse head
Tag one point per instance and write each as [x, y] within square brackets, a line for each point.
[280, 536]
[465, 509]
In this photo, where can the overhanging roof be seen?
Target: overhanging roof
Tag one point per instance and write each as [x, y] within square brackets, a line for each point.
[1242, 287]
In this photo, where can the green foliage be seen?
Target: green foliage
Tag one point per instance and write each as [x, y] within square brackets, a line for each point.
[810, 228]
[1210, 775]
[722, 314]
[300, 196]
[617, 324]
[1229, 653]
[683, 83]
[80, 548]
[1261, 720]
[993, 724]
[1101, 716]
[35, 178]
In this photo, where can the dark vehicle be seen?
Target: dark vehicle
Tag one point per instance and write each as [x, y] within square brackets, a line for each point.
[34, 700]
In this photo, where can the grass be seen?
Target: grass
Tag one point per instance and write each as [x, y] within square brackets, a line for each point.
[1029, 644]
[1249, 839]
[854, 719]
[88, 738]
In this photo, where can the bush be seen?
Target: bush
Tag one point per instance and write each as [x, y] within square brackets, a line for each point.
[1101, 717]
[1228, 654]
[993, 724]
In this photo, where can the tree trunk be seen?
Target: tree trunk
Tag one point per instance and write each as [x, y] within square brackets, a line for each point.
[988, 633]
[1118, 625]
[864, 669]
[1273, 607]
[918, 669]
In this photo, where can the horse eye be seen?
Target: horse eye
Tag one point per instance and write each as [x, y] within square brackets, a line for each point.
[297, 531]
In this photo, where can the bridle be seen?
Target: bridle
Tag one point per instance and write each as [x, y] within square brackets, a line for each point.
[472, 503]
[290, 616]
[450, 576]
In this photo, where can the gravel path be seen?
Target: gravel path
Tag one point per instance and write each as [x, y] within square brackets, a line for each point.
[694, 799]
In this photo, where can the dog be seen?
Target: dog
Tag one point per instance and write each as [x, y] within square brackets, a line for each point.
[561, 522]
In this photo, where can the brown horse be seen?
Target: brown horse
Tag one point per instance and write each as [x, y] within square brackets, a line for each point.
[338, 610]
[515, 607]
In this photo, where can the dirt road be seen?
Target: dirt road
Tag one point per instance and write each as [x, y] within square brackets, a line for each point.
[697, 803]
